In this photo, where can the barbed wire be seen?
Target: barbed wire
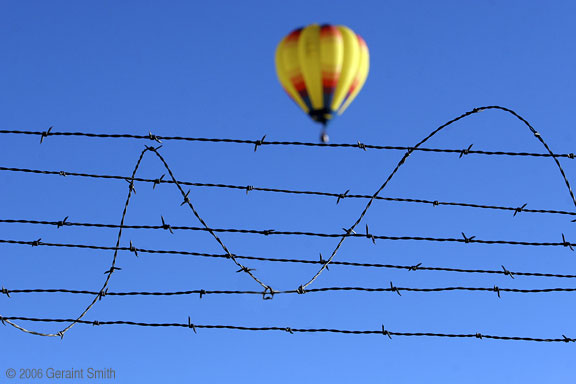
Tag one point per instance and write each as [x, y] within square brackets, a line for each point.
[186, 201]
[415, 267]
[108, 273]
[409, 152]
[262, 142]
[270, 232]
[382, 331]
[267, 294]
[267, 290]
[116, 248]
[338, 196]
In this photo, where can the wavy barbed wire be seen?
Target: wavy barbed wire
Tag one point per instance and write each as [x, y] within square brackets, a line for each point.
[108, 273]
[409, 152]
[116, 248]
[382, 331]
[338, 196]
[262, 142]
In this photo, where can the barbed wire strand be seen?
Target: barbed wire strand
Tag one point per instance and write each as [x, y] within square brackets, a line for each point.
[467, 240]
[338, 196]
[269, 294]
[262, 142]
[416, 267]
[382, 331]
[409, 152]
[270, 232]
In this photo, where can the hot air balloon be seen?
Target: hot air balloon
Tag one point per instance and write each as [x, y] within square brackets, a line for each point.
[322, 68]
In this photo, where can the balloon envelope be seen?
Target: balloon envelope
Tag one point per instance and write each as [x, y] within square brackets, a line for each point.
[322, 68]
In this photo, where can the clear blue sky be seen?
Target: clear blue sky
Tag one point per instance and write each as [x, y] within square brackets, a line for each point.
[207, 70]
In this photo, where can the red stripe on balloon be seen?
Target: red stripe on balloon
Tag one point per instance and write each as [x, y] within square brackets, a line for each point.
[330, 81]
[330, 31]
[298, 83]
[294, 35]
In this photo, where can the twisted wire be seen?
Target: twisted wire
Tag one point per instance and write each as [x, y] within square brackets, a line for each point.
[382, 331]
[416, 267]
[263, 142]
[338, 196]
[268, 232]
[270, 294]
[39, 242]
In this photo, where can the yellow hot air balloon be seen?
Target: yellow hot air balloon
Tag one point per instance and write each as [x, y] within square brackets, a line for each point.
[322, 68]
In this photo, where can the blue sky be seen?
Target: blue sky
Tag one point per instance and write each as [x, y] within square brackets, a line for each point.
[207, 70]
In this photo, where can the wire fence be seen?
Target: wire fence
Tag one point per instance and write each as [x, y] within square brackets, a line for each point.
[267, 292]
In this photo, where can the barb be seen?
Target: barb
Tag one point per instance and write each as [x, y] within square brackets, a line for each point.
[418, 267]
[261, 142]
[338, 196]
[380, 332]
[409, 152]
